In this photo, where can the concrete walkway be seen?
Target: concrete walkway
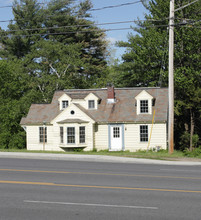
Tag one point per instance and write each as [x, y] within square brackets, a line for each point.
[93, 158]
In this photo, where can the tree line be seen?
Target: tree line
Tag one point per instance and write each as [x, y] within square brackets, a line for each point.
[57, 46]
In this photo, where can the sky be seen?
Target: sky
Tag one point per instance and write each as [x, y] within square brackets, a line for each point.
[116, 14]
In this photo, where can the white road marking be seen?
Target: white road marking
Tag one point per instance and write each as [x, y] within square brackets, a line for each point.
[88, 204]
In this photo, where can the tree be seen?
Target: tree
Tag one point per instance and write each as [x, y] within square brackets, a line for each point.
[145, 61]
[46, 48]
[15, 98]
[21, 34]
[60, 47]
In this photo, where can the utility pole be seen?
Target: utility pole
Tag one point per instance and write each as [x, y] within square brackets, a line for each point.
[171, 79]
[171, 74]
[171, 70]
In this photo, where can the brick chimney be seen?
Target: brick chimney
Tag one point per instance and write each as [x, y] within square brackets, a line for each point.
[110, 94]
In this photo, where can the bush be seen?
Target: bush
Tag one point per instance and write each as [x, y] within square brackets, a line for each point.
[195, 153]
[185, 140]
[78, 149]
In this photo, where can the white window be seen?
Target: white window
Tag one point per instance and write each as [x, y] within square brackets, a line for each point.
[82, 134]
[61, 135]
[91, 104]
[43, 134]
[143, 133]
[64, 104]
[144, 106]
[70, 135]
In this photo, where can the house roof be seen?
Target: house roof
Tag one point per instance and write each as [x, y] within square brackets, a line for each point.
[76, 120]
[123, 110]
[78, 95]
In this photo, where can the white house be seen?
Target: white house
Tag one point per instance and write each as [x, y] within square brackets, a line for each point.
[109, 118]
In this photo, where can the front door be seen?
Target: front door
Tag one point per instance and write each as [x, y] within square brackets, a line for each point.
[116, 137]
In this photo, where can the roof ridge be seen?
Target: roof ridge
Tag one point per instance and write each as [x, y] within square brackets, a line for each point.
[116, 88]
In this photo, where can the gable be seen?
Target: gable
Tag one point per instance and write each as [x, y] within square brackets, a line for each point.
[91, 96]
[91, 101]
[72, 112]
[143, 95]
[64, 98]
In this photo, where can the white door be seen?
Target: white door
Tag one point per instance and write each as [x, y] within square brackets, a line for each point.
[116, 137]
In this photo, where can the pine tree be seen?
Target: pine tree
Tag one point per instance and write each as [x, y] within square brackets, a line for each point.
[19, 37]
[60, 47]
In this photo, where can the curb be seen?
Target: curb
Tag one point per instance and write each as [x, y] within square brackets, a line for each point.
[93, 158]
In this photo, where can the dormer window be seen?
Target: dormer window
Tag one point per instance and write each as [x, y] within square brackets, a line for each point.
[91, 104]
[64, 101]
[64, 104]
[144, 106]
[144, 103]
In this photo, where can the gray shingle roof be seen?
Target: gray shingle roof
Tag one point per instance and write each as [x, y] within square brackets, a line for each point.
[76, 120]
[124, 110]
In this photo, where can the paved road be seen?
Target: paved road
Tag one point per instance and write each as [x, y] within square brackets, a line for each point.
[53, 189]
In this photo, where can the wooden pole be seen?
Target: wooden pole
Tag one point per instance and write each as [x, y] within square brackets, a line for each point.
[171, 80]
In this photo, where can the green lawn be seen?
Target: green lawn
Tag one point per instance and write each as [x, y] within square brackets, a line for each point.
[160, 155]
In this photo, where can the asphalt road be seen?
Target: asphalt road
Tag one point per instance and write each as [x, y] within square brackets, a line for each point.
[70, 190]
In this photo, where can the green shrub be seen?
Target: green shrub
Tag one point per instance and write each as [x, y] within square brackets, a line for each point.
[78, 149]
[185, 140]
[195, 153]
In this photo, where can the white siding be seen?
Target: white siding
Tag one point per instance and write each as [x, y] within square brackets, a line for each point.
[78, 114]
[33, 142]
[66, 114]
[81, 102]
[53, 132]
[132, 137]
[97, 137]
[101, 137]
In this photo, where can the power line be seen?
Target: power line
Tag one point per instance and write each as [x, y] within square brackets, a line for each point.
[87, 31]
[84, 25]
[115, 6]
[50, 16]
[186, 5]
[93, 9]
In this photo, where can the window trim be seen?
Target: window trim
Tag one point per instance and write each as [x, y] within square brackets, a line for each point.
[82, 136]
[90, 105]
[61, 135]
[144, 133]
[144, 105]
[64, 104]
[70, 135]
[41, 134]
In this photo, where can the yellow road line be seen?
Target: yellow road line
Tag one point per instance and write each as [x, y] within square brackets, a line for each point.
[106, 174]
[98, 187]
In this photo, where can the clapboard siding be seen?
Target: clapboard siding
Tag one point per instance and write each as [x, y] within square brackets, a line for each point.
[132, 137]
[33, 142]
[101, 137]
